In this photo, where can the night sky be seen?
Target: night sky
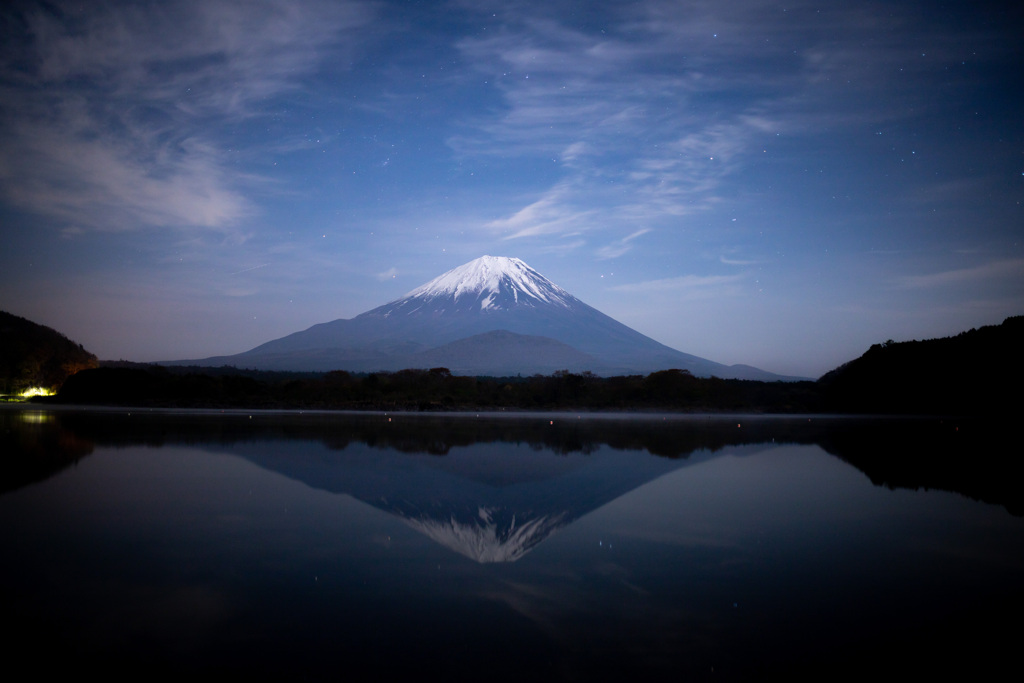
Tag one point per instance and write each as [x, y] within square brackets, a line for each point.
[781, 184]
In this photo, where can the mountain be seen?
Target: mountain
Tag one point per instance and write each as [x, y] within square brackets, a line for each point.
[491, 316]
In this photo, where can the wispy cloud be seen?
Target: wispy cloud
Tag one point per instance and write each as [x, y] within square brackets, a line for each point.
[607, 109]
[101, 182]
[738, 262]
[1002, 269]
[692, 285]
[550, 214]
[651, 119]
[620, 247]
[110, 113]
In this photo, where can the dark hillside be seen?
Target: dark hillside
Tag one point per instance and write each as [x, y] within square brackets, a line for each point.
[975, 372]
[33, 355]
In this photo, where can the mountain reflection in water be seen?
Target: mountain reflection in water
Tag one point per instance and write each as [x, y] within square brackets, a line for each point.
[710, 547]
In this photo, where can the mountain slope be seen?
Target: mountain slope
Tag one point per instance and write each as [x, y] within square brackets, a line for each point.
[504, 353]
[489, 294]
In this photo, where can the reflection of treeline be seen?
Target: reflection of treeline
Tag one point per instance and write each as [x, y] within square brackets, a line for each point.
[437, 434]
[963, 455]
[968, 456]
[435, 389]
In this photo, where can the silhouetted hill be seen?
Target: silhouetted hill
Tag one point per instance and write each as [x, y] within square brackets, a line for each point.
[975, 372]
[33, 355]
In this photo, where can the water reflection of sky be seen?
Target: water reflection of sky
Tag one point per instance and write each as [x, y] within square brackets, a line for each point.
[272, 556]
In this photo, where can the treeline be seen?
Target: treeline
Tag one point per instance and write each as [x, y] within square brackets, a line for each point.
[963, 455]
[436, 390]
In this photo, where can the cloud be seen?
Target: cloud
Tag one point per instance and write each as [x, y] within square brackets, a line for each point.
[620, 247]
[389, 274]
[102, 183]
[113, 116]
[691, 284]
[607, 108]
[738, 262]
[1003, 269]
[548, 215]
[652, 118]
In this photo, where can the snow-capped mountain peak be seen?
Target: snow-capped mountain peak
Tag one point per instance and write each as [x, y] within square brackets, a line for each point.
[496, 282]
[452, 322]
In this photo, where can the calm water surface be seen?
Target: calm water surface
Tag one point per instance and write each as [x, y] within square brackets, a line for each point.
[322, 546]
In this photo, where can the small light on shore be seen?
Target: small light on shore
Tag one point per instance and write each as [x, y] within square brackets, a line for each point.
[36, 391]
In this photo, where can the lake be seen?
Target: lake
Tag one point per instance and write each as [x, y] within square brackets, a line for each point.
[559, 546]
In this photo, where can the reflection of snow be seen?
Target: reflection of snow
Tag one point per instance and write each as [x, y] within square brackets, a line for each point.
[484, 540]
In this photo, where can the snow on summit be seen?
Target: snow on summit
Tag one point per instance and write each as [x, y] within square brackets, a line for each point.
[496, 281]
